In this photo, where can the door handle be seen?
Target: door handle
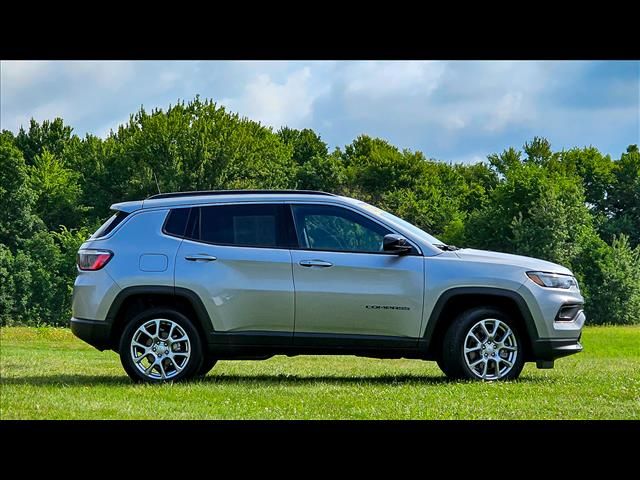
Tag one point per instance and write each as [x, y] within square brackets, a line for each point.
[200, 257]
[315, 263]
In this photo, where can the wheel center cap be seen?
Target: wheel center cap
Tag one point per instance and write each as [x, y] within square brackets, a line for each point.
[489, 348]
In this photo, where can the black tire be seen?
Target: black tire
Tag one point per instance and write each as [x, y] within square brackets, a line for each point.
[452, 361]
[443, 367]
[189, 369]
[207, 364]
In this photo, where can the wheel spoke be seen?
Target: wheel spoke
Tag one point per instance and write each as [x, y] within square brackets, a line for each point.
[147, 332]
[173, 327]
[162, 372]
[474, 349]
[506, 361]
[477, 362]
[158, 328]
[175, 364]
[484, 327]
[484, 369]
[497, 364]
[142, 357]
[135, 343]
[506, 335]
[150, 367]
[496, 325]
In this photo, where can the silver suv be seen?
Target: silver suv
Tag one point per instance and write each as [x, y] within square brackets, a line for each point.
[179, 281]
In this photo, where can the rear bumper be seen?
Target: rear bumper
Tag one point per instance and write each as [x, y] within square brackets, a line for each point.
[95, 332]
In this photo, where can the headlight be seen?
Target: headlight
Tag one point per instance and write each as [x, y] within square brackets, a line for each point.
[552, 280]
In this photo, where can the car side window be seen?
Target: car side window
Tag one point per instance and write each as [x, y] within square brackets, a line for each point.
[250, 225]
[325, 227]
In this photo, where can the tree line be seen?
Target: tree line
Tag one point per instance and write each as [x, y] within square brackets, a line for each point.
[576, 207]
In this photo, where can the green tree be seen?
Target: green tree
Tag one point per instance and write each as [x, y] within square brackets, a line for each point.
[610, 281]
[17, 220]
[623, 200]
[324, 173]
[58, 192]
[306, 144]
[533, 212]
[50, 135]
[595, 170]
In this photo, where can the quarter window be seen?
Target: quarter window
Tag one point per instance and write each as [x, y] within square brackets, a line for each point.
[325, 227]
[177, 221]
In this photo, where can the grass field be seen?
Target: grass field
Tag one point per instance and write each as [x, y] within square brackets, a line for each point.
[47, 373]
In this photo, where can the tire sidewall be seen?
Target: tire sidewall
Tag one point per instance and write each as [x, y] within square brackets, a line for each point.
[195, 359]
[454, 356]
[207, 365]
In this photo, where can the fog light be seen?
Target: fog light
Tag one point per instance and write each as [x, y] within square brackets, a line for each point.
[568, 313]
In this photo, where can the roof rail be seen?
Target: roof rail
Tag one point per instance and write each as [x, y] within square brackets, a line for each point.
[233, 192]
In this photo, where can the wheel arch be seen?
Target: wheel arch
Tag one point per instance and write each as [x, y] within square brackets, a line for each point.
[133, 300]
[456, 300]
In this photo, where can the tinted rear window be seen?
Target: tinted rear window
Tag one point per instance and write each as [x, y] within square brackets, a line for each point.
[108, 226]
[252, 225]
[177, 221]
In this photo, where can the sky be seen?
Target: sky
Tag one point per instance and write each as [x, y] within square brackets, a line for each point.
[458, 111]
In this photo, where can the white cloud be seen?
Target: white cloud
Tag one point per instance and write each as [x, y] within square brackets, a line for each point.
[111, 75]
[507, 110]
[379, 79]
[277, 104]
[20, 73]
[469, 159]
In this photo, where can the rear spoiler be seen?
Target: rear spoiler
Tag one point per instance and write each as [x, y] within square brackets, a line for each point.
[127, 206]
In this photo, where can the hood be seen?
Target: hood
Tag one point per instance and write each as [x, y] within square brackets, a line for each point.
[527, 263]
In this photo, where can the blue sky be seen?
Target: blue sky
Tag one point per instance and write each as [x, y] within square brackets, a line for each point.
[450, 110]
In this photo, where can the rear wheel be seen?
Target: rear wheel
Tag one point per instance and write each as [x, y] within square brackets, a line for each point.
[482, 344]
[160, 345]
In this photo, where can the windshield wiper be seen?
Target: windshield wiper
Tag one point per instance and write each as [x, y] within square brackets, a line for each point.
[446, 248]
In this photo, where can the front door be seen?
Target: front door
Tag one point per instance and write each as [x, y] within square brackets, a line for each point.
[345, 283]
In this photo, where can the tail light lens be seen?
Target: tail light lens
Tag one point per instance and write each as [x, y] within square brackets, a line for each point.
[93, 259]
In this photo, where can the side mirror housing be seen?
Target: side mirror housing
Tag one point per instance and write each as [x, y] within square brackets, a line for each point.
[395, 244]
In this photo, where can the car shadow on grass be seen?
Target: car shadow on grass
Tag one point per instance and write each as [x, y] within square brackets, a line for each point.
[252, 380]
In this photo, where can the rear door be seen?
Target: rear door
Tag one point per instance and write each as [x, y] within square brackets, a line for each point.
[236, 258]
[345, 283]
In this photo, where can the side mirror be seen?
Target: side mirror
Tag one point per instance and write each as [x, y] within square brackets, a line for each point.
[396, 244]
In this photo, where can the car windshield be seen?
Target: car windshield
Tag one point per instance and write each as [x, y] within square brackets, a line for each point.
[403, 223]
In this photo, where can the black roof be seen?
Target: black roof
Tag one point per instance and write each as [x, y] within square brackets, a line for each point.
[234, 192]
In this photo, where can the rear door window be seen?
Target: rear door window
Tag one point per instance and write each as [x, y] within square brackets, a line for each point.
[248, 225]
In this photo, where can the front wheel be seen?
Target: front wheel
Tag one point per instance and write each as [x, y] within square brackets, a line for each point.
[207, 364]
[483, 344]
[160, 345]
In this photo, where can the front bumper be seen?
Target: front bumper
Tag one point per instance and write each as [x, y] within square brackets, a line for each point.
[552, 348]
[96, 333]
[547, 350]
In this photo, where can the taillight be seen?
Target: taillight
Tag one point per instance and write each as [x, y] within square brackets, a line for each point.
[93, 259]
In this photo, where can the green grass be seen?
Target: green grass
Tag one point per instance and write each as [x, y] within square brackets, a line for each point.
[46, 373]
